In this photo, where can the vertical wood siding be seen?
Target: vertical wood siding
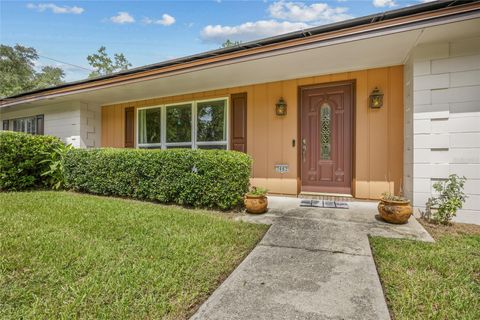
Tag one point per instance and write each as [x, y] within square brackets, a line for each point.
[378, 137]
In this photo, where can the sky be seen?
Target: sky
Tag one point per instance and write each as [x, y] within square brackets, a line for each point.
[64, 33]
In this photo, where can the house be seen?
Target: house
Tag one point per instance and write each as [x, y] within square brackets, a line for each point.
[386, 102]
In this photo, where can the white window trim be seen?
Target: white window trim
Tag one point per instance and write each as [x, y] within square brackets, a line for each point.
[193, 143]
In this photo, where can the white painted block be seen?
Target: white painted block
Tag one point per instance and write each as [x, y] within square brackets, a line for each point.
[465, 140]
[420, 198]
[421, 185]
[459, 94]
[470, 171]
[431, 114]
[468, 216]
[472, 186]
[445, 107]
[428, 82]
[439, 141]
[462, 155]
[422, 97]
[472, 202]
[464, 124]
[465, 109]
[465, 78]
[439, 171]
[464, 63]
[439, 125]
[421, 156]
[421, 141]
[421, 67]
[430, 170]
[431, 51]
[465, 47]
[421, 126]
[439, 156]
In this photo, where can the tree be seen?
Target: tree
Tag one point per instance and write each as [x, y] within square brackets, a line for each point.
[230, 43]
[104, 65]
[18, 74]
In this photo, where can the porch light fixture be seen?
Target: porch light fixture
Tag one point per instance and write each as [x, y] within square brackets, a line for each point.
[376, 99]
[281, 107]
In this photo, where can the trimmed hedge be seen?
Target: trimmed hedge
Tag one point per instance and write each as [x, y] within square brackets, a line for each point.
[199, 178]
[20, 160]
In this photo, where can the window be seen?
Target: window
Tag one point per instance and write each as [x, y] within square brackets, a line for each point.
[326, 131]
[179, 126]
[212, 124]
[32, 125]
[196, 124]
[149, 127]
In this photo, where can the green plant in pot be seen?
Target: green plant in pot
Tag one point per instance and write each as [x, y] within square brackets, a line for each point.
[394, 209]
[256, 200]
[449, 198]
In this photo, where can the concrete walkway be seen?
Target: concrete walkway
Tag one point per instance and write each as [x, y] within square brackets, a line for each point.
[313, 263]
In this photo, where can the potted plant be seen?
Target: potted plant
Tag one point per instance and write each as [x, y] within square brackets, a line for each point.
[256, 200]
[394, 209]
[450, 197]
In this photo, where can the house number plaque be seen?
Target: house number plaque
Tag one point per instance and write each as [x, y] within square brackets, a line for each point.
[281, 168]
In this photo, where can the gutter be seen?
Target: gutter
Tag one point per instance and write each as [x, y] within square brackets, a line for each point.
[410, 16]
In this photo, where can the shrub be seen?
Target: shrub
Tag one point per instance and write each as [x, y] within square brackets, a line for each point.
[199, 178]
[450, 197]
[21, 160]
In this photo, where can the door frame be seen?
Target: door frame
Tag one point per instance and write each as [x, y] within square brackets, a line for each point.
[352, 83]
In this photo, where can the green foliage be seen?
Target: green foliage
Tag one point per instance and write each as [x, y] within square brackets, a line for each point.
[75, 256]
[257, 191]
[450, 198]
[22, 156]
[18, 74]
[199, 178]
[430, 280]
[55, 174]
[391, 197]
[104, 65]
[229, 43]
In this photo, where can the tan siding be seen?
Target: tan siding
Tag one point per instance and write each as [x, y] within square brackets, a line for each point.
[378, 149]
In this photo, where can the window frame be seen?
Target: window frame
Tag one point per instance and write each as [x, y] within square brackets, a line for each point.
[193, 144]
[38, 122]
[147, 145]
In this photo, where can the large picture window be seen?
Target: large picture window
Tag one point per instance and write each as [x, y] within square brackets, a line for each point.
[195, 124]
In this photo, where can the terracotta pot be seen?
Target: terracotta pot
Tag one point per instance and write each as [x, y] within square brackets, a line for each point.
[256, 204]
[395, 211]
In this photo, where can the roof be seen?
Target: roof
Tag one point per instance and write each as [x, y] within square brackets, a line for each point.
[267, 44]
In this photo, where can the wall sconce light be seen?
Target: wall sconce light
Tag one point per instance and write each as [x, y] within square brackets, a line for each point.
[376, 99]
[281, 107]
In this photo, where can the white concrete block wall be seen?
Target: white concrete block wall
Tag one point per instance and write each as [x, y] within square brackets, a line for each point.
[90, 125]
[444, 116]
[61, 120]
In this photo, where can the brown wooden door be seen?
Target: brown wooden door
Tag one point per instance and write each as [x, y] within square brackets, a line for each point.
[326, 138]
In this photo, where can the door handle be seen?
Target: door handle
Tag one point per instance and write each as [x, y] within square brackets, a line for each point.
[304, 149]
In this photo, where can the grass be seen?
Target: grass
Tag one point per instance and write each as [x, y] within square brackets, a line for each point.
[438, 280]
[67, 255]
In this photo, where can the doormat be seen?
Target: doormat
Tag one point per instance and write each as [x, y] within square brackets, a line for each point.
[323, 204]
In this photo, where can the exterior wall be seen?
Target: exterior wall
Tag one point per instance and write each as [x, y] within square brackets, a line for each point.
[378, 147]
[74, 122]
[61, 120]
[446, 120]
[90, 125]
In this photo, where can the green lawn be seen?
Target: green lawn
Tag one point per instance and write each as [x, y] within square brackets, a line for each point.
[67, 255]
[432, 280]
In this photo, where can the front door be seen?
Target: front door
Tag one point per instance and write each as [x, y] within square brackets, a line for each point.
[326, 138]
